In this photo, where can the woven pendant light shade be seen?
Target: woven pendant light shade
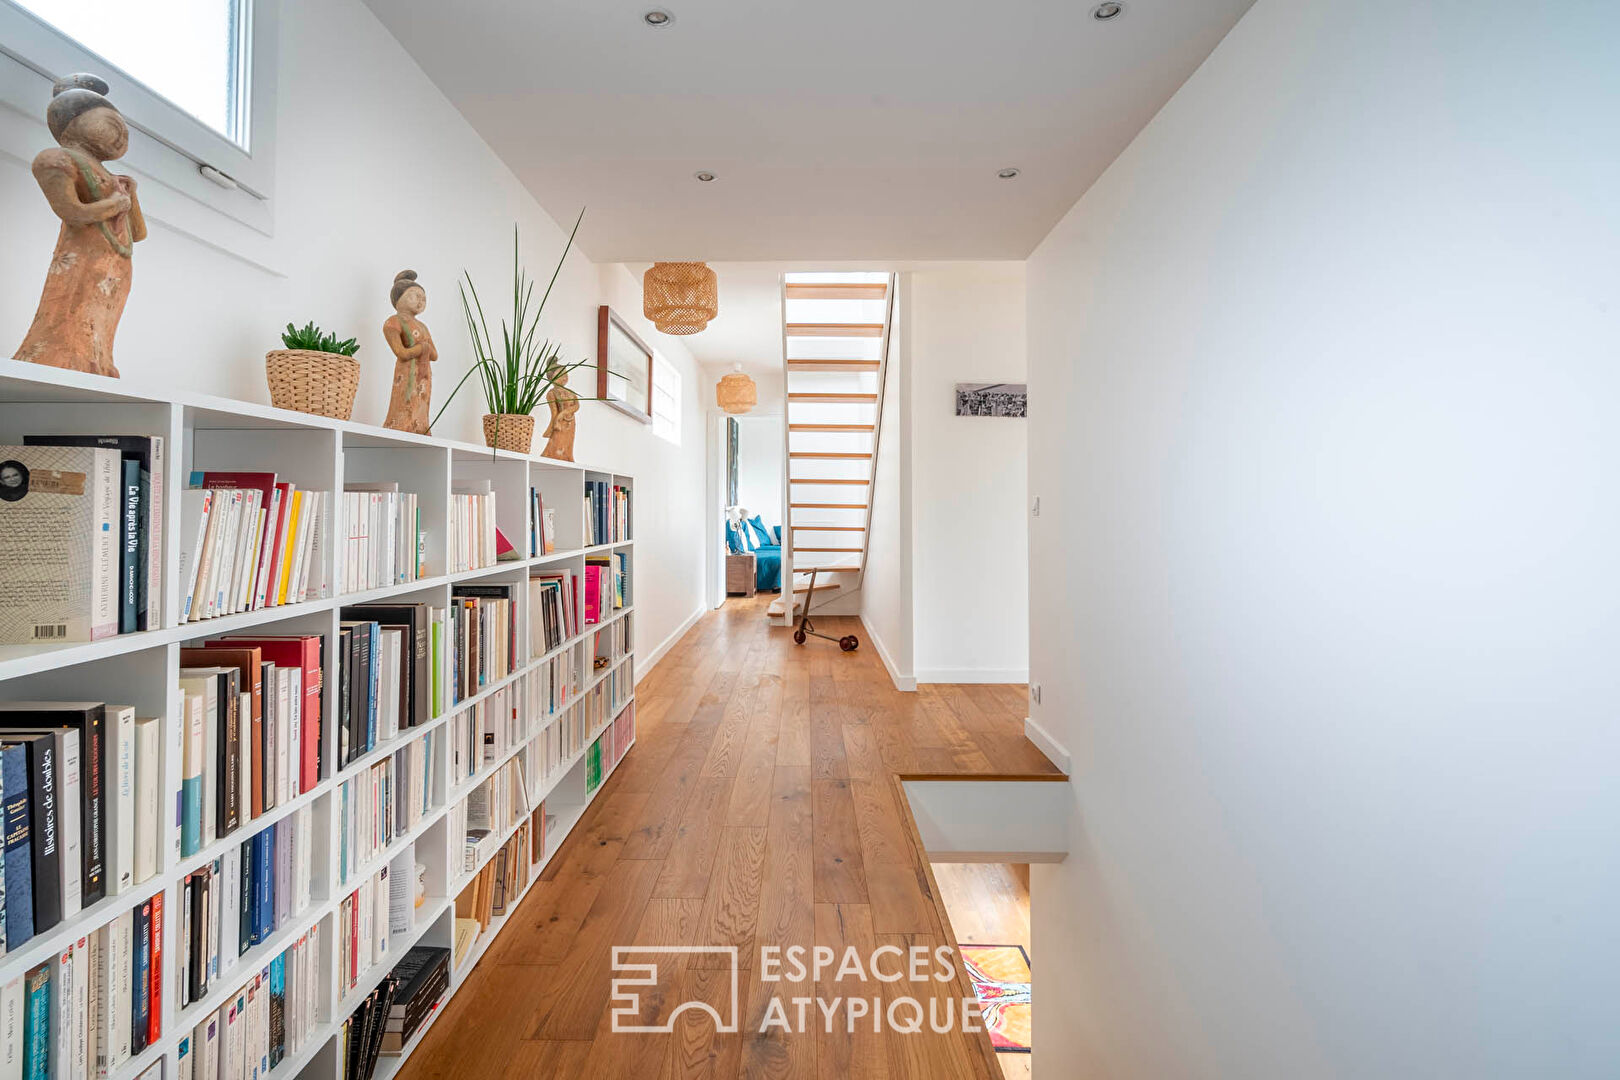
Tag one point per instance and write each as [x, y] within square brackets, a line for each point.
[736, 392]
[680, 297]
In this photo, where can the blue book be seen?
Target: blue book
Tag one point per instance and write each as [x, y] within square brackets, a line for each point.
[37, 1024]
[244, 900]
[141, 967]
[265, 922]
[19, 917]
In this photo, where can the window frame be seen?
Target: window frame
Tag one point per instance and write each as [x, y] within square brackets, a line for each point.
[167, 143]
[667, 426]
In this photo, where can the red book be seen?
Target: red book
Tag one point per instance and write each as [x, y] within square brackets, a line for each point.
[303, 653]
[154, 1023]
[279, 539]
[593, 590]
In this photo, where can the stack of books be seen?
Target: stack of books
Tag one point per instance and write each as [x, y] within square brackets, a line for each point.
[383, 543]
[551, 686]
[610, 644]
[472, 527]
[423, 975]
[362, 1036]
[553, 612]
[79, 783]
[239, 900]
[485, 731]
[269, 1018]
[81, 537]
[484, 636]
[250, 541]
[607, 513]
[92, 1007]
[500, 878]
[606, 585]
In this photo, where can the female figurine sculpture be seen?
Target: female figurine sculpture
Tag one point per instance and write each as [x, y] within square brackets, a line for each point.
[414, 353]
[564, 403]
[89, 278]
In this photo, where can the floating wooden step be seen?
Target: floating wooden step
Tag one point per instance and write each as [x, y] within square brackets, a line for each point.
[846, 551]
[823, 480]
[835, 290]
[833, 399]
[826, 506]
[831, 366]
[832, 427]
[827, 528]
[833, 329]
[828, 455]
[828, 569]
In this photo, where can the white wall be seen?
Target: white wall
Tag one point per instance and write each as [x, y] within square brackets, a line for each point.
[957, 539]
[969, 528]
[759, 466]
[1324, 377]
[375, 172]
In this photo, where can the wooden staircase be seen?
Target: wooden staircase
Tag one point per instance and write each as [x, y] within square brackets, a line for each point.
[835, 338]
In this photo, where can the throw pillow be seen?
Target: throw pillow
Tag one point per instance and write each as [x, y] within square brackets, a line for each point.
[761, 533]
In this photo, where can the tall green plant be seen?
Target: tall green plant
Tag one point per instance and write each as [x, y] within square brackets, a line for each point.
[519, 374]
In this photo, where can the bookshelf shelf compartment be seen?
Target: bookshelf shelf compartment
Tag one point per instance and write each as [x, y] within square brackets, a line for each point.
[205, 433]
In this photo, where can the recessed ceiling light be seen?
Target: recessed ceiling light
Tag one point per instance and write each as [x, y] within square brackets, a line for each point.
[661, 18]
[1104, 12]
[1007, 174]
[704, 177]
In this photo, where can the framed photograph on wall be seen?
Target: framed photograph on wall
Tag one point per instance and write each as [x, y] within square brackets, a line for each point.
[623, 366]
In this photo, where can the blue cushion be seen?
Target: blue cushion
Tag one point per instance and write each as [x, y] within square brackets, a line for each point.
[760, 532]
[734, 542]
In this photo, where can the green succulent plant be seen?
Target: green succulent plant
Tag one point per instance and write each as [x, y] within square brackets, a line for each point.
[312, 338]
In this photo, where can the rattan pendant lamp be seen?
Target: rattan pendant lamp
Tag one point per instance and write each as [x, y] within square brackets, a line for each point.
[680, 297]
[736, 392]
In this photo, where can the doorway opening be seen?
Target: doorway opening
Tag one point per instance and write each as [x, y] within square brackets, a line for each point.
[988, 907]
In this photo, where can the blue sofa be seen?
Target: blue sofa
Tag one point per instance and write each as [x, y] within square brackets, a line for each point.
[767, 557]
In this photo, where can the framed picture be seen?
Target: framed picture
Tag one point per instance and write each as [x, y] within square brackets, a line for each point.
[623, 366]
[992, 399]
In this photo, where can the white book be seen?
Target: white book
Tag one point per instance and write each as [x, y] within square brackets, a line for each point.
[61, 534]
[112, 985]
[267, 547]
[231, 891]
[207, 1038]
[61, 1044]
[240, 540]
[11, 1030]
[204, 682]
[203, 597]
[230, 552]
[313, 582]
[388, 690]
[95, 1035]
[234, 1065]
[71, 809]
[118, 782]
[185, 1060]
[380, 914]
[148, 797]
[79, 1065]
[288, 765]
[195, 504]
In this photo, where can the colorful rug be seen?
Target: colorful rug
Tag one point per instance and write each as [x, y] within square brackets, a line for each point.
[1000, 975]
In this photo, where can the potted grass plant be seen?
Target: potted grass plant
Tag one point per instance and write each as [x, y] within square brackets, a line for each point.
[519, 372]
[315, 373]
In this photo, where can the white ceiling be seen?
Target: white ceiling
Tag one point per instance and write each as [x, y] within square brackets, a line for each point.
[840, 129]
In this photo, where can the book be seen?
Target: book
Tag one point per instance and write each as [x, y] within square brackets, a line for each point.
[303, 653]
[146, 454]
[141, 979]
[60, 531]
[44, 826]
[88, 719]
[37, 1023]
[414, 618]
[19, 872]
[13, 1044]
[155, 990]
[148, 795]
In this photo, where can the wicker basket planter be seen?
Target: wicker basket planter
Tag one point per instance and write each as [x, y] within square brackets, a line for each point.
[312, 382]
[509, 431]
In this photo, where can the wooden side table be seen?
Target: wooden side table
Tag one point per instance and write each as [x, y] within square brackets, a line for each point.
[740, 574]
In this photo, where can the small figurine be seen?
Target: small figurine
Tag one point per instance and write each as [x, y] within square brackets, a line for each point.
[88, 281]
[564, 404]
[414, 352]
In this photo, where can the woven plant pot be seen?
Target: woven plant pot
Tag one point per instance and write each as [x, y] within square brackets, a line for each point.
[312, 382]
[509, 431]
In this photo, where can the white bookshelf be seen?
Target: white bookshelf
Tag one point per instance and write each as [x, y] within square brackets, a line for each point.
[142, 668]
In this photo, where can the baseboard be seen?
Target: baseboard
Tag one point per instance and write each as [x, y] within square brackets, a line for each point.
[901, 682]
[645, 666]
[1047, 745]
[973, 675]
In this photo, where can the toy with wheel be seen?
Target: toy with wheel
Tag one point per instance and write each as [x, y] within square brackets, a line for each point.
[807, 629]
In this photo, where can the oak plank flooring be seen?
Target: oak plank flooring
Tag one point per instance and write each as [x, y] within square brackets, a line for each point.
[757, 808]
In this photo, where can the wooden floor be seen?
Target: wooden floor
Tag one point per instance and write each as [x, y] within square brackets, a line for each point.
[757, 808]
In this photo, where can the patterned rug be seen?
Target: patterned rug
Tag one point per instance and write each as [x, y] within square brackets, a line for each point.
[1000, 975]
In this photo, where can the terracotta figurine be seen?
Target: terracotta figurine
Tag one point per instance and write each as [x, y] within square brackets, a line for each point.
[564, 404]
[88, 282]
[414, 354]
